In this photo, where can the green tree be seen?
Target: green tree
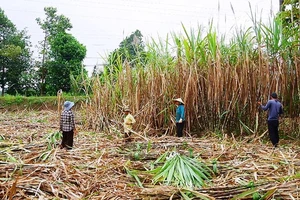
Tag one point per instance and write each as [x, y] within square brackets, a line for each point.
[290, 16]
[67, 54]
[15, 55]
[61, 53]
[18, 80]
[289, 11]
[131, 49]
[52, 25]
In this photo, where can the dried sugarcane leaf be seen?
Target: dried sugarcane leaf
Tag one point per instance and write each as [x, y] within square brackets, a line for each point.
[13, 189]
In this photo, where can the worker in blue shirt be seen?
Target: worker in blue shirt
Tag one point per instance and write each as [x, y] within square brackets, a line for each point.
[180, 119]
[275, 109]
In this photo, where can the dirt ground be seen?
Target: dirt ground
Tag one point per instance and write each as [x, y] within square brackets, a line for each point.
[33, 167]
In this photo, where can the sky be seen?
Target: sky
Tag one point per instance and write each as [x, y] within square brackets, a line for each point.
[101, 25]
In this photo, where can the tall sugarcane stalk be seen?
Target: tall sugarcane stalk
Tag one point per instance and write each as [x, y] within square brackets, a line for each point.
[59, 95]
[219, 79]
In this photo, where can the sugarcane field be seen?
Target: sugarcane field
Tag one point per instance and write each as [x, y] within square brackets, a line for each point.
[208, 110]
[102, 166]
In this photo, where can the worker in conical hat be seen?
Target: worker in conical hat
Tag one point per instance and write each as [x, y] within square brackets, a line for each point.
[128, 123]
[180, 117]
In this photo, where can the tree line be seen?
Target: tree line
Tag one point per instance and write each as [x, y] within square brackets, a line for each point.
[59, 64]
[60, 57]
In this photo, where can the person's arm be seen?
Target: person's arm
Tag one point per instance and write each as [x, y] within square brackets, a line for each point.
[133, 120]
[280, 110]
[266, 107]
[181, 109]
[182, 112]
[73, 122]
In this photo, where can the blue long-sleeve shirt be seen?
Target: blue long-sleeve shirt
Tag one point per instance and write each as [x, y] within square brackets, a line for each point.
[180, 113]
[275, 109]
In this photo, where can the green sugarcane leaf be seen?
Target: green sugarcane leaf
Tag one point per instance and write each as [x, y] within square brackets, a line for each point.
[44, 156]
[180, 170]
[245, 194]
[269, 193]
[247, 129]
[162, 174]
[134, 175]
[188, 177]
[193, 179]
[161, 158]
[184, 196]
[198, 194]
[10, 158]
[171, 171]
[199, 172]
[198, 180]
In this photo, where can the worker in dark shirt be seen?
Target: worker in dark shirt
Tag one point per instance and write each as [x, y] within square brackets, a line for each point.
[274, 108]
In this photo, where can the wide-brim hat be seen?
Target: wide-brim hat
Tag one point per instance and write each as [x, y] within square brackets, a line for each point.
[68, 105]
[126, 110]
[178, 100]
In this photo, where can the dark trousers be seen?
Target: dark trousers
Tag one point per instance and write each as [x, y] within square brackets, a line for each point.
[179, 129]
[67, 139]
[273, 126]
[127, 136]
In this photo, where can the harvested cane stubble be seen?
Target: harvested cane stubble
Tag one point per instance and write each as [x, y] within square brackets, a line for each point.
[33, 167]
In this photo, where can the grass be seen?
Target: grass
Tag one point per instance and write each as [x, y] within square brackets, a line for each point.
[34, 102]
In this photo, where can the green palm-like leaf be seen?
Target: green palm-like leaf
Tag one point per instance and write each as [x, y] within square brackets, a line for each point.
[180, 170]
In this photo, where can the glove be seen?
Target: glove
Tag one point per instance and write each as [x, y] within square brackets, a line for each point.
[180, 121]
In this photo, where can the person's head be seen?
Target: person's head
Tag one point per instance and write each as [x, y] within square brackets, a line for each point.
[178, 101]
[127, 111]
[68, 105]
[274, 95]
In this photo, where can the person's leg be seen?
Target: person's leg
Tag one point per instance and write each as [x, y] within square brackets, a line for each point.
[69, 142]
[127, 137]
[273, 131]
[276, 136]
[179, 129]
[182, 126]
[64, 140]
